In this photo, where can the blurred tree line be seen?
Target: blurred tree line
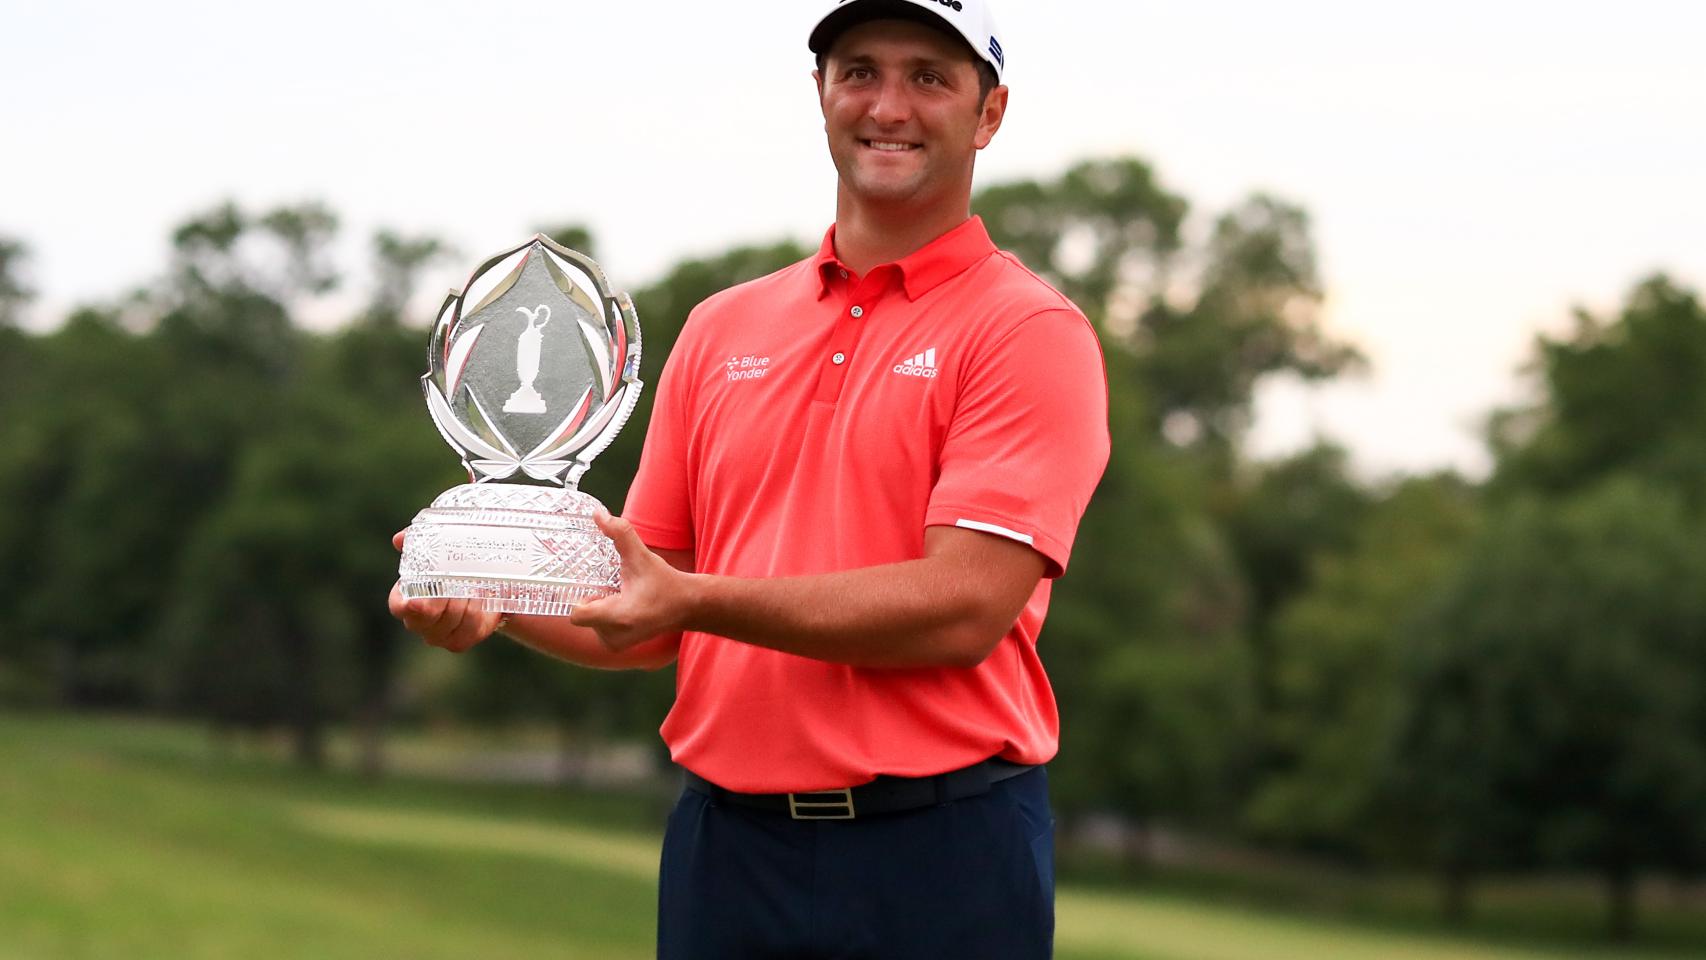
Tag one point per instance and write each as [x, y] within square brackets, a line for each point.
[1424, 672]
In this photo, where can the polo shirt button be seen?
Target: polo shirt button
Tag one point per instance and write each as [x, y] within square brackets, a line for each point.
[838, 359]
[843, 274]
[858, 312]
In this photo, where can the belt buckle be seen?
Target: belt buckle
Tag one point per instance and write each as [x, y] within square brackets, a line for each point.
[841, 809]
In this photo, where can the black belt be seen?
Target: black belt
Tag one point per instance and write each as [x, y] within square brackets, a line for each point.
[885, 794]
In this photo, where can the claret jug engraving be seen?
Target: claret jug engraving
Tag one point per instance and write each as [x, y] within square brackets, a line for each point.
[533, 367]
[525, 399]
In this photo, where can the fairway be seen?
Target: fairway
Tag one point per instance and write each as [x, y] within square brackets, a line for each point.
[128, 840]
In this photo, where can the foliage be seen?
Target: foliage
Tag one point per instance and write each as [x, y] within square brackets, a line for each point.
[1599, 480]
[1625, 394]
[14, 294]
[1557, 712]
[397, 263]
[1281, 517]
[1112, 238]
[1338, 684]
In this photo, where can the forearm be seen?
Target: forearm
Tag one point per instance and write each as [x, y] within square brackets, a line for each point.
[557, 637]
[918, 613]
[948, 608]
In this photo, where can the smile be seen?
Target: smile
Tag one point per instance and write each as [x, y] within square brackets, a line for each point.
[890, 146]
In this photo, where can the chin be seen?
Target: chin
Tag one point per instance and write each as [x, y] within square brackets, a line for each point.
[885, 189]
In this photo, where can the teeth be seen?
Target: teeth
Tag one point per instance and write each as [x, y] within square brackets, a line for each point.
[886, 145]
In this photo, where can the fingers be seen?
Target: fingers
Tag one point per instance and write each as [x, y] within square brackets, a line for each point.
[592, 613]
[395, 601]
[473, 628]
[610, 617]
[418, 615]
[453, 625]
[449, 620]
[397, 539]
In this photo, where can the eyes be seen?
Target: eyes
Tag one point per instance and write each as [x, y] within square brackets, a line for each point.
[926, 77]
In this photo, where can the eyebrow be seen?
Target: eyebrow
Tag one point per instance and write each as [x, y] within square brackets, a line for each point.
[863, 59]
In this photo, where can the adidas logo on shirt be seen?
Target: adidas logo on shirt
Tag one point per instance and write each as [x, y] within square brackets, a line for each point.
[923, 365]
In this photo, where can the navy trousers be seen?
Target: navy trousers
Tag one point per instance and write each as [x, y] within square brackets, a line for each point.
[970, 880]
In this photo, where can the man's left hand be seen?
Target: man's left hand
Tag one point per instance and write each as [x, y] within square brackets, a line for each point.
[655, 596]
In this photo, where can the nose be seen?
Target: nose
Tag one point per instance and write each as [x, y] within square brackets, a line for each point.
[891, 106]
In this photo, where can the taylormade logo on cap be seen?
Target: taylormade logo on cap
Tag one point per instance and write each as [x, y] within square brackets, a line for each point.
[971, 19]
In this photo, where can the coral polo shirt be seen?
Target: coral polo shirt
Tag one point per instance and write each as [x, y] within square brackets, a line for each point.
[814, 421]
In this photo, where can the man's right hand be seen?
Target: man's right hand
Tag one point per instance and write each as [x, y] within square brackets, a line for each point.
[454, 625]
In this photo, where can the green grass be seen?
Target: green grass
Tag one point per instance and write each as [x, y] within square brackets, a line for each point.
[117, 841]
[131, 839]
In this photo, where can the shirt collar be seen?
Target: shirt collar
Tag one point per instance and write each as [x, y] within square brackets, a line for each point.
[925, 268]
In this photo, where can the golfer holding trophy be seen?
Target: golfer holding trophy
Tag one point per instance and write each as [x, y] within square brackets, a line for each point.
[861, 476]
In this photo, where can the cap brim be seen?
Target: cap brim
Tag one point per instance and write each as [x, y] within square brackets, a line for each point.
[842, 19]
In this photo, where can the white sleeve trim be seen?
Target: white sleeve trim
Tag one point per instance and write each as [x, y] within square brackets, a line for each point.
[1023, 538]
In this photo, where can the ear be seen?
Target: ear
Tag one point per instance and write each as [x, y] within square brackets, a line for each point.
[989, 120]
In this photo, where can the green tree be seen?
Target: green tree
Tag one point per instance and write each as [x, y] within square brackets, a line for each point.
[244, 632]
[1106, 233]
[360, 398]
[1281, 517]
[295, 541]
[1620, 394]
[23, 478]
[96, 545]
[15, 294]
[397, 263]
[303, 232]
[1556, 711]
[1620, 419]
[238, 623]
[1255, 314]
[1337, 684]
[1204, 325]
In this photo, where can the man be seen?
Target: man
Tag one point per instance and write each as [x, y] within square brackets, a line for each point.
[860, 477]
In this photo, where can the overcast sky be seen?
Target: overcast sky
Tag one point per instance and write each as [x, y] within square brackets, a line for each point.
[1473, 169]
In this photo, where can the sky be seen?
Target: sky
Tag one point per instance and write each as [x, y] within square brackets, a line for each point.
[1474, 171]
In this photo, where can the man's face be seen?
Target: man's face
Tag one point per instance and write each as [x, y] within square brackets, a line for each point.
[902, 113]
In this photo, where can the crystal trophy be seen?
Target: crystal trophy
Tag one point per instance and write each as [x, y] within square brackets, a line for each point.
[528, 385]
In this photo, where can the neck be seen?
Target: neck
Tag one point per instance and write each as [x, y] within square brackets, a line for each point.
[867, 236]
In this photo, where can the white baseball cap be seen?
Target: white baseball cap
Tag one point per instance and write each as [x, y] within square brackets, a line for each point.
[970, 19]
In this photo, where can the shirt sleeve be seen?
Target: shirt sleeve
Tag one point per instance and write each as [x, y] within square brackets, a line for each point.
[1029, 437]
[659, 502]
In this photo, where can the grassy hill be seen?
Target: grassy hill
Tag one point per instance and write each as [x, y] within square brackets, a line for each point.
[132, 839]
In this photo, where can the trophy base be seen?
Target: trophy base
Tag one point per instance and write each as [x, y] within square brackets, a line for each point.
[511, 549]
[503, 596]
